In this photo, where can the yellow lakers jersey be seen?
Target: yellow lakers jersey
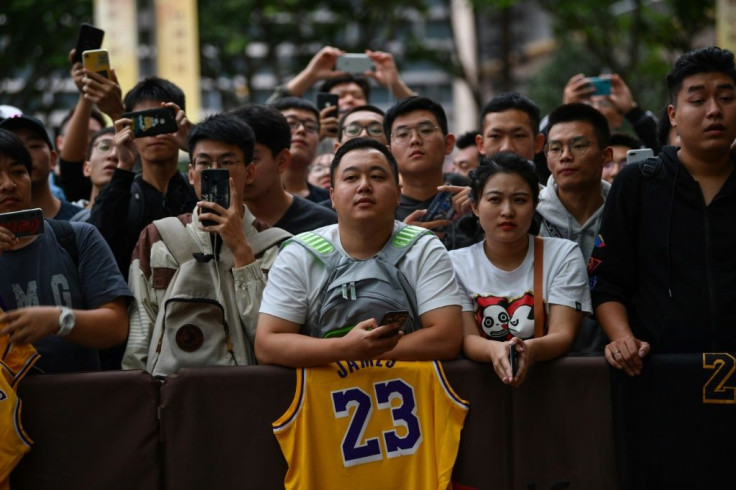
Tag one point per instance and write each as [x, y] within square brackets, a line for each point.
[371, 424]
[15, 362]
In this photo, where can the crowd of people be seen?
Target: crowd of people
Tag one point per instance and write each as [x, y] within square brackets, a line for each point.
[473, 278]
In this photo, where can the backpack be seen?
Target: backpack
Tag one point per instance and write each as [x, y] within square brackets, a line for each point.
[198, 324]
[356, 290]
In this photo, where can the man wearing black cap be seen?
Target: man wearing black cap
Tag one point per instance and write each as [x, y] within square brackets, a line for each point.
[36, 140]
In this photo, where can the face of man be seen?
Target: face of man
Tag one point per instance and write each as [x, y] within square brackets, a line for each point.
[574, 156]
[365, 188]
[15, 185]
[349, 95]
[612, 168]
[267, 170]
[102, 160]
[367, 124]
[304, 136]
[43, 158]
[418, 144]
[509, 130]
[159, 148]
[466, 160]
[216, 154]
[705, 114]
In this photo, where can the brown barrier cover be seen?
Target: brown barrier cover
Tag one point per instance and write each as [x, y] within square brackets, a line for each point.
[563, 427]
[217, 426]
[90, 431]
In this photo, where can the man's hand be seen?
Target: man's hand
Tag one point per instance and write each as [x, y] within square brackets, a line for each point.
[106, 93]
[7, 240]
[368, 340]
[328, 123]
[229, 225]
[77, 70]
[124, 145]
[413, 219]
[387, 74]
[461, 201]
[27, 325]
[627, 353]
[578, 89]
[621, 96]
[184, 125]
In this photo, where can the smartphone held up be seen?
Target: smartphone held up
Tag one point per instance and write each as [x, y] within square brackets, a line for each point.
[215, 185]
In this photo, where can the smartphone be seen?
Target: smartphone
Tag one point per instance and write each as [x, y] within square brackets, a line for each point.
[602, 85]
[28, 222]
[354, 63]
[215, 187]
[439, 208]
[513, 360]
[90, 37]
[400, 317]
[640, 155]
[153, 121]
[98, 61]
[326, 99]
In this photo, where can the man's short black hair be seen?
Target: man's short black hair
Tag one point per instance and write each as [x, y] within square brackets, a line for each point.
[703, 60]
[13, 147]
[225, 128]
[360, 80]
[513, 100]
[286, 103]
[95, 136]
[584, 113]
[154, 88]
[411, 104]
[466, 139]
[621, 139]
[362, 143]
[269, 126]
[360, 108]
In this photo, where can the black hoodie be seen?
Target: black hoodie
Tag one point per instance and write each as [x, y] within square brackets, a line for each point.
[669, 258]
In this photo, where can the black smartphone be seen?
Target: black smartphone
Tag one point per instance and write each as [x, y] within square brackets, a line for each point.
[399, 317]
[28, 222]
[326, 99]
[90, 37]
[153, 121]
[513, 360]
[215, 187]
[439, 208]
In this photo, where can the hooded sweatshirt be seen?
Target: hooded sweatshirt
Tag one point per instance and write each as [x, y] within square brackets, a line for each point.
[669, 258]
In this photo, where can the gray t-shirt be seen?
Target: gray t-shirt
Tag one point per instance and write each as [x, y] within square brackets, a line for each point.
[43, 273]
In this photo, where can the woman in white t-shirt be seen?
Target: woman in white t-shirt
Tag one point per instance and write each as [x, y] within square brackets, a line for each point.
[496, 276]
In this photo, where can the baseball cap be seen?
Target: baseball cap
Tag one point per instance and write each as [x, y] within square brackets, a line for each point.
[24, 121]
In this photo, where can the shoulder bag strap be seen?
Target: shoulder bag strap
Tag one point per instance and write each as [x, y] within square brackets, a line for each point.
[539, 315]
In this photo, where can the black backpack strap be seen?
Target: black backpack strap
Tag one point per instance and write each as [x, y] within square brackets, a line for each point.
[66, 237]
[650, 167]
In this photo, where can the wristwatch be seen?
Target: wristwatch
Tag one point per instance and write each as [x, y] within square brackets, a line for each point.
[67, 320]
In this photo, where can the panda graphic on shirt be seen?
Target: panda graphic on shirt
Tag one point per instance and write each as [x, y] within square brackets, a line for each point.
[501, 318]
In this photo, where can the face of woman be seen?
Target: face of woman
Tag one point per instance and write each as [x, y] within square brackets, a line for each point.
[505, 208]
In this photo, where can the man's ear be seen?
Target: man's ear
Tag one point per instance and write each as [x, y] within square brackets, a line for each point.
[479, 143]
[54, 159]
[250, 175]
[449, 143]
[85, 168]
[191, 175]
[539, 143]
[283, 159]
[671, 112]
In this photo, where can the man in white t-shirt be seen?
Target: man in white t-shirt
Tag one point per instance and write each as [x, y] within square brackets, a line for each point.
[365, 193]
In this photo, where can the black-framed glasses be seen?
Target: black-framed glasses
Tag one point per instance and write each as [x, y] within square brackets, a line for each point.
[355, 129]
[577, 147]
[203, 163]
[402, 134]
[310, 125]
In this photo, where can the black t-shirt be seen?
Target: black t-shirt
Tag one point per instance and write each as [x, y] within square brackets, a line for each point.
[305, 215]
[317, 194]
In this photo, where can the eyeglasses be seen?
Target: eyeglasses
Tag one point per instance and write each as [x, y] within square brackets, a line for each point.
[402, 134]
[104, 145]
[310, 125]
[355, 129]
[319, 169]
[205, 163]
[577, 146]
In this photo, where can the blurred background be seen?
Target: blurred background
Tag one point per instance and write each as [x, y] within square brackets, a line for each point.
[228, 53]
